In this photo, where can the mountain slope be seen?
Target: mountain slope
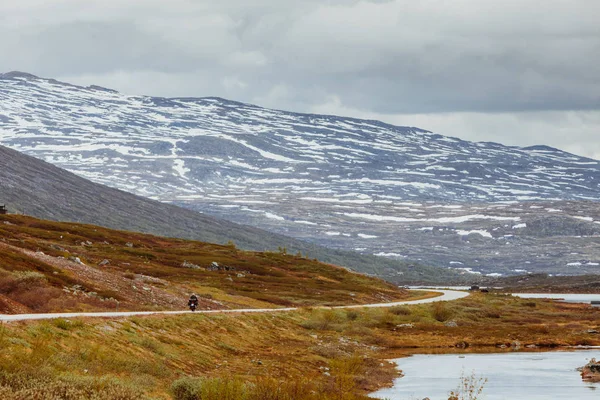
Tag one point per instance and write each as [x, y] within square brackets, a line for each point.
[399, 192]
[50, 266]
[202, 148]
[40, 189]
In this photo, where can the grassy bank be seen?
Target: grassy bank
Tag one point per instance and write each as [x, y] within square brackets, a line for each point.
[145, 357]
[309, 354]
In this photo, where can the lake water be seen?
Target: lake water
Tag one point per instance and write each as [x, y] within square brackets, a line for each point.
[586, 298]
[568, 297]
[510, 376]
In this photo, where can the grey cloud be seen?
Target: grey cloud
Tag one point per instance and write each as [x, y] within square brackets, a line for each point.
[398, 64]
[572, 131]
[383, 56]
[380, 57]
[100, 47]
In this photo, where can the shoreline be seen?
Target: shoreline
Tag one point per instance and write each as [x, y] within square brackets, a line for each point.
[561, 363]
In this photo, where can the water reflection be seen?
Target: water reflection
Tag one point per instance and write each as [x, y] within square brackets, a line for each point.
[532, 376]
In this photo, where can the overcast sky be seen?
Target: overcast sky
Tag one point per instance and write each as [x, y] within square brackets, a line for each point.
[516, 72]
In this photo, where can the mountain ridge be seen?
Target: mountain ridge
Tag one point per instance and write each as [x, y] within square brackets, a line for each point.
[401, 192]
[27, 75]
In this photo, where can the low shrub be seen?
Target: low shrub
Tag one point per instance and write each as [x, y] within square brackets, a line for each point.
[189, 388]
[31, 278]
[400, 310]
[352, 315]
[36, 298]
[29, 385]
[441, 312]
[267, 388]
[323, 320]
[470, 388]
[341, 385]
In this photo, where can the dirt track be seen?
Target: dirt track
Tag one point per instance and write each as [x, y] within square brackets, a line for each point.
[447, 295]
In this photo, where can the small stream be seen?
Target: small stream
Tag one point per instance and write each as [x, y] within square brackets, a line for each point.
[510, 376]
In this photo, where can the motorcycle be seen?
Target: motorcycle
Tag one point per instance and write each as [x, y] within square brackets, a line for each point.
[193, 303]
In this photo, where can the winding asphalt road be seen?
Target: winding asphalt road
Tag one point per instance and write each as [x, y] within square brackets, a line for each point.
[447, 295]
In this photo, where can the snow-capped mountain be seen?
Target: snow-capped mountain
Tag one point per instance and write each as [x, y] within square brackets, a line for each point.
[343, 182]
[43, 190]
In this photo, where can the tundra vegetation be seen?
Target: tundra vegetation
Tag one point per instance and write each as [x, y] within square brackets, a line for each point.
[49, 266]
[306, 354]
[311, 353]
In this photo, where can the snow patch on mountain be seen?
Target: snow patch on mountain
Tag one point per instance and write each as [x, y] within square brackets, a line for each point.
[333, 180]
[476, 231]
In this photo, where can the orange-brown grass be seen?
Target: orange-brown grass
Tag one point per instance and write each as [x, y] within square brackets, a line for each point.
[335, 353]
[157, 357]
[150, 272]
[479, 321]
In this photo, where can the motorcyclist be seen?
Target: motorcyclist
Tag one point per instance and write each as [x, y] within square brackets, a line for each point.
[193, 301]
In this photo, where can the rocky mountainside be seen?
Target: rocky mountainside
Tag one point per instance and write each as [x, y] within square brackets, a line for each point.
[398, 192]
[37, 188]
